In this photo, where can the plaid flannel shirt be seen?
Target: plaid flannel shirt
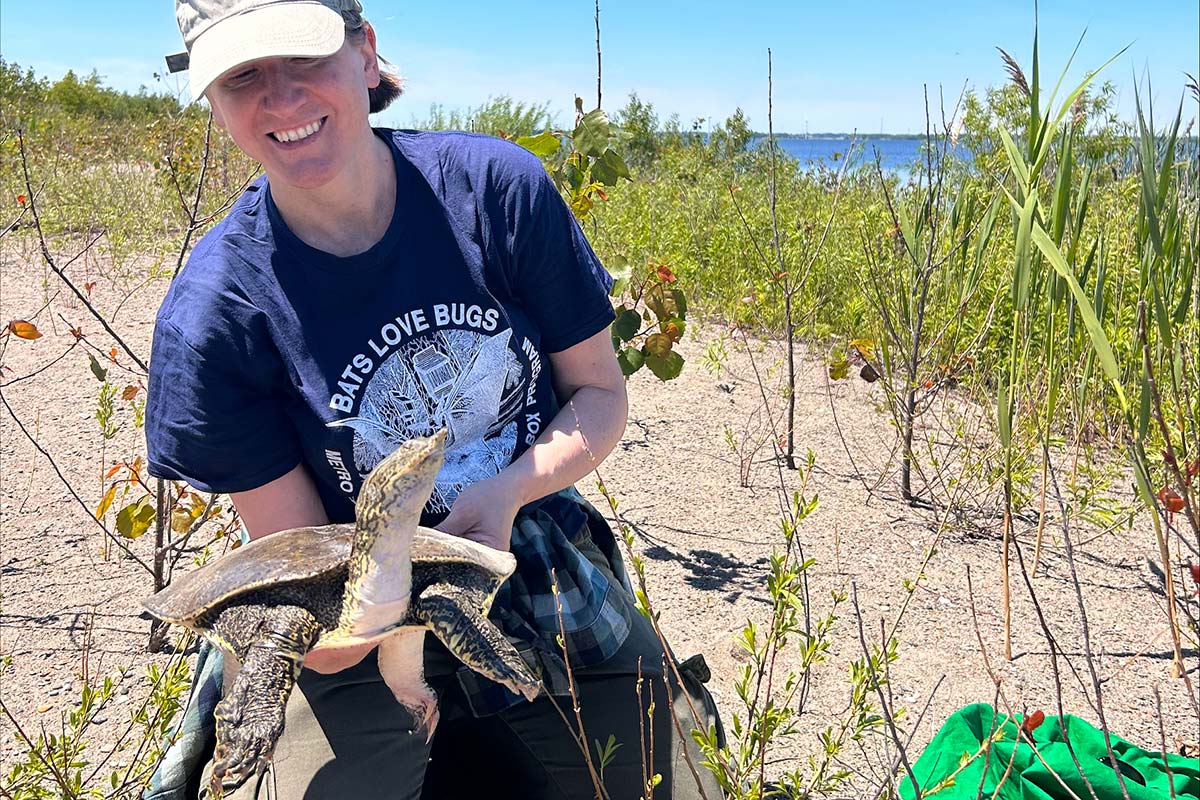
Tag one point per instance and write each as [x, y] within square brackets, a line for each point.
[593, 590]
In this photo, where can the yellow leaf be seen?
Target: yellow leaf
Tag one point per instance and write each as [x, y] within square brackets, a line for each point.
[658, 344]
[24, 330]
[106, 501]
[181, 520]
[864, 346]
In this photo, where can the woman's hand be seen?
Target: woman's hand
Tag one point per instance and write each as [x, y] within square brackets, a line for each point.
[484, 512]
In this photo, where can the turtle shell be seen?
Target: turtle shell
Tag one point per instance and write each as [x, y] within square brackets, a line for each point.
[298, 555]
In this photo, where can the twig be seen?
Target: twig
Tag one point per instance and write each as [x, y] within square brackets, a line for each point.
[581, 736]
[1162, 743]
[37, 224]
[115, 539]
[195, 209]
[598, 65]
[888, 717]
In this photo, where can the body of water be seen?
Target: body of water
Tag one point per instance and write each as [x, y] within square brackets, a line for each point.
[895, 155]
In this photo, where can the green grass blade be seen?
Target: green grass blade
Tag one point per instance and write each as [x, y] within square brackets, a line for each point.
[1016, 161]
[1024, 255]
[1100, 343]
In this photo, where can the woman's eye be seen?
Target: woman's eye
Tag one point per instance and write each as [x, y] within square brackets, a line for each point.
[240, 78]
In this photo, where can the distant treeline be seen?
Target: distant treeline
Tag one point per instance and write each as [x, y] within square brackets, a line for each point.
[25, 96]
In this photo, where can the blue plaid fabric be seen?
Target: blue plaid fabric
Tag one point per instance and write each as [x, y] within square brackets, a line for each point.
[194, 737]
[597, 608]
[592, 590]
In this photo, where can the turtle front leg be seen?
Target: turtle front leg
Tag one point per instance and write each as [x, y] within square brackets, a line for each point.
[453, 614]
[250, 716]
[402, 665]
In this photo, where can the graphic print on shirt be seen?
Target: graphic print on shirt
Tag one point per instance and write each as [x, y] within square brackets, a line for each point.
[470, 382]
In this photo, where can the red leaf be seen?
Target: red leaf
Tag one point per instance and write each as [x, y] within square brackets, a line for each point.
[112, 355]
[129, 392]
[1032, 722]
[21, 199]
[1170, 499]
[1195, 570]
[87, 287]
[664, 274]
[115, 469]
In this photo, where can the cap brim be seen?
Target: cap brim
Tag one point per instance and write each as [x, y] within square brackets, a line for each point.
[297, 29]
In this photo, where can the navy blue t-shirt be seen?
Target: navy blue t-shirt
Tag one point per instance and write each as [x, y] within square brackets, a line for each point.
[269, 353]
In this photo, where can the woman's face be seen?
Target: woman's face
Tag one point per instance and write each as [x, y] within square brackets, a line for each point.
[302, 118]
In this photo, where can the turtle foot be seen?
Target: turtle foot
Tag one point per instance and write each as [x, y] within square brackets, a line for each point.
[402, 665]
[424, 710]
[250, 717]
[247, 729]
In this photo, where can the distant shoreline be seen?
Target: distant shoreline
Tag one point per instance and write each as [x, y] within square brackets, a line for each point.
[763, 135]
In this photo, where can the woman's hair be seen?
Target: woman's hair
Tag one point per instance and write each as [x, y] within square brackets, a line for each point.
[390, 85]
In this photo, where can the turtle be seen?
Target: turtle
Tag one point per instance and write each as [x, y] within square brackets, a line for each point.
[384, 579]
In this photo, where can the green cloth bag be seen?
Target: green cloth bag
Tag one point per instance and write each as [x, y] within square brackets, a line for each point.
[963, 735]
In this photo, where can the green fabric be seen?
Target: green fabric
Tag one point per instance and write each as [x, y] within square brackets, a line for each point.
[962, 736]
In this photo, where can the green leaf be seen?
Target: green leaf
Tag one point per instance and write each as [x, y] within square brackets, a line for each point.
[618, 267]
[1022, 275]
[680, 303]
[627, 323]
[133, 520]
[100, 372]
[665, 369]
[1015, 160]
[609, 168]
[1108, 361]
[630, 360]
[543, 145]
[1004, 412]
[592, 134]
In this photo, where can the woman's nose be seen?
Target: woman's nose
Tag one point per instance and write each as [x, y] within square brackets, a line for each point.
[282, 91]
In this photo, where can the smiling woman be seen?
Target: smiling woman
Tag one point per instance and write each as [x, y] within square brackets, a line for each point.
[375, 287]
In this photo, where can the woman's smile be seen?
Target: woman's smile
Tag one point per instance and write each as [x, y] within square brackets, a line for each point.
[299, 135]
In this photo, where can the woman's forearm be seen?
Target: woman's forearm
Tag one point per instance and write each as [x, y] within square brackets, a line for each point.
[580, 436]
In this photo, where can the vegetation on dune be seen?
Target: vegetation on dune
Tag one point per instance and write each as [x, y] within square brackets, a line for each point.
[1051, 279]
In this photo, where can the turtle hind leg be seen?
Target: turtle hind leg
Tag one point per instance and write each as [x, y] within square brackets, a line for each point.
[453, 615]
[401, 663]
[250, 716]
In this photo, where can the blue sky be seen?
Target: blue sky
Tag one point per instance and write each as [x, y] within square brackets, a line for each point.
[837, 66]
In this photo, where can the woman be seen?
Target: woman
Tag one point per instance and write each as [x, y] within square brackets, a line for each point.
[378, 285]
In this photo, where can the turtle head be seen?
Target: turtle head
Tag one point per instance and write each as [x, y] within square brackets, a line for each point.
[399, 486]
[386, 517]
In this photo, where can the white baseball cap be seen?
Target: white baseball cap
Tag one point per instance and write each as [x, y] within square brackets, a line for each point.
[221, 34]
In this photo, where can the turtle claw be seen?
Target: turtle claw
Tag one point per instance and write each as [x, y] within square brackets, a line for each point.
[246, 737]
[425, 712]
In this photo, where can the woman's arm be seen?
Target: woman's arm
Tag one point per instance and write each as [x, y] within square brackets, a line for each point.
[586, 429]
[288, 502]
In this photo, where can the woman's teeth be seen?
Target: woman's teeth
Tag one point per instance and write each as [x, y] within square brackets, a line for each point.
[297, 134]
